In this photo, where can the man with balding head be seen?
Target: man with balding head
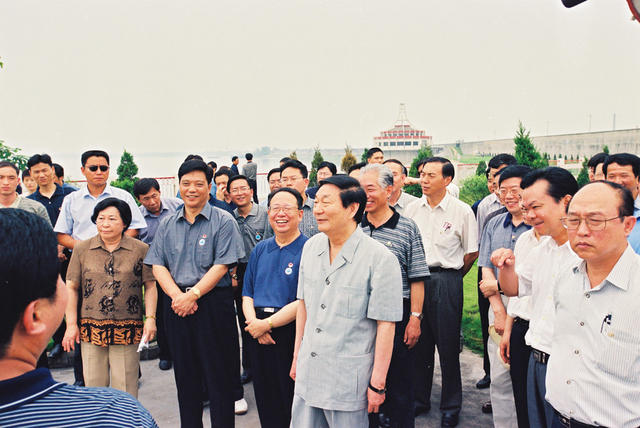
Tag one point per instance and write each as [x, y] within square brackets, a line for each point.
[592, 377]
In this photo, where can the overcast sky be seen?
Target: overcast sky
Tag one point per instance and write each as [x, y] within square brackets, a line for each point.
[155, 76]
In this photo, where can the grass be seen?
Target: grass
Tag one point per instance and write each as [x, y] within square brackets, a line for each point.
[471, 328]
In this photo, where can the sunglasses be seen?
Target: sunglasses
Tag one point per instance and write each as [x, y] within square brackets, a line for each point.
[94, 168]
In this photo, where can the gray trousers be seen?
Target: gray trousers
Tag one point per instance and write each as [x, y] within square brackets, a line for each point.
[540, 411]
[305, 416]
[440, 327]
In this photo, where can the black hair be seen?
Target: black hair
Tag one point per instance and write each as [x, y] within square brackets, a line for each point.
[59, 170]
[36, 159]
[236, 178]
[356, 167]
[502, 159]
[223, 171]
[597, 159]
[623, 159]
[28, 267]
[233, 158]
[193, 157]
[271, 172]
[293, 191]
[513, 171]
[195, 165]
[89, 153]
[560, 181]
[26, 173]
[212, 165]
[122, 207]
[625, 208]
[350, 193]
[447, 167]
[330, 165]
[293, 163]
[4, 164]
[144, 186]
[372, 151]
[248, 156]
[285, 160]
[397, 162]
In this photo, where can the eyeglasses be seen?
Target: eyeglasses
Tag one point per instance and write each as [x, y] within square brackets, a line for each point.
[592, 222]
[94, 168]
[511, 192]
[287, 209]
[240, 190]
[286, 180]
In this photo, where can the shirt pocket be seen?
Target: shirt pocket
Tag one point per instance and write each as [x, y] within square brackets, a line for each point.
[447, 240]
[204, 255]
[351, 302]
[617, 358]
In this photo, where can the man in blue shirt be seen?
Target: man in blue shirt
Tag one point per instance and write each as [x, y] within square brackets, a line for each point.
[191, 254]
[624, 169]
[32, 302]
[154, 207]
[269, 304]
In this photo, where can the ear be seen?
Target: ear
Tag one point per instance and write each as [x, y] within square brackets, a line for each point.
[306, 182]
[629, 222]
[353, 209]
[32, 318]
[447, 180]
[566, 200]
[389, 191]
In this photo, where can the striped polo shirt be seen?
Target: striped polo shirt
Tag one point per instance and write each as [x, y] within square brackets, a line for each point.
[34, 399]
[402, 237]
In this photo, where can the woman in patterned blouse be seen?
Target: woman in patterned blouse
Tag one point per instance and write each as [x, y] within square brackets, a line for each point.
[108, 272]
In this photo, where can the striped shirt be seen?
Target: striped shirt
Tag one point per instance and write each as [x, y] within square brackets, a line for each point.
[34, 399]
[308, 226]
[402, 237]
[593, 374]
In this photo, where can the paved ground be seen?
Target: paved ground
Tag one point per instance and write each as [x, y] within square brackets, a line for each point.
[158, 394]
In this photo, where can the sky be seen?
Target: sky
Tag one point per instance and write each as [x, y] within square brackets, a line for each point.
[158, 76]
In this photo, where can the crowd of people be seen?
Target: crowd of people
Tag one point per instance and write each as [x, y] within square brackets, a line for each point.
[339, 293]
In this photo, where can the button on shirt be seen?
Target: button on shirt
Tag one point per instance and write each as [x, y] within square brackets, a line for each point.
[254, 228]
[344, 299]
[189, 250]
[271, 278]
[593, 374]
[634, 236]
[77, 209]
[308, 226]
[449, 230]
[402, 237]
[169, 206]
[536, 278]
[520, 306]
[53, 204]
[403, 201]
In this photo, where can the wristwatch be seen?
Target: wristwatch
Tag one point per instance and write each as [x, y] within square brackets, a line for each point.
[234, 276]
[195, 291]
[376, 390]
[418, 315]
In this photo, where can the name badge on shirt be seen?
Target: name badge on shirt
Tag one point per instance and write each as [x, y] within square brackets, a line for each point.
[202, 240]
[446, 226]
[258, 237]
[288, 270]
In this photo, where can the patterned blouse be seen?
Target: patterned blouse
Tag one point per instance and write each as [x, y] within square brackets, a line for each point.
[111, 305]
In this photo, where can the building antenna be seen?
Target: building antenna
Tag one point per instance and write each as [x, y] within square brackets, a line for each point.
[403, 120]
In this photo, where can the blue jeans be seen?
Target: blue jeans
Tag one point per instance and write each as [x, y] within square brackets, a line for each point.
[540, 411]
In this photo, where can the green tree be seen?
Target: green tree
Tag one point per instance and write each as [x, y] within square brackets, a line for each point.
[583, 175]
[13, 155]
[605, 149]
[526, 152]
[127, 171]
[415, 189]
[473, 188]
[348, 160]
[317, 160]
[363, 158]
[293, 155]
[482, 168]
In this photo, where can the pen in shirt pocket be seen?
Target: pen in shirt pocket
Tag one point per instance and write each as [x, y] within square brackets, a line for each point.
[606, 324]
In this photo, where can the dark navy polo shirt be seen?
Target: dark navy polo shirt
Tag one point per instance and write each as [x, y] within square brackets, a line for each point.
[271, 278]
[54, 204]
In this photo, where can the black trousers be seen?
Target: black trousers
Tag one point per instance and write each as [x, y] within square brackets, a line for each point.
[399, 402]
[271, 365]
[440, 327]
[520, 352]
[204, 347]
[246, 337]
[483, 307]
[163, 345]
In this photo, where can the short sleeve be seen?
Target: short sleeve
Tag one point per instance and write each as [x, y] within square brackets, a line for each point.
[301, 282]
[385, 300]
[525, 268]
[155, 254]
[229, 247]
[417, 260]
[484, 260]
[74, 271]
[64, 224]
[147, 272]
[41, 211]
[469, 231]
[248, 283]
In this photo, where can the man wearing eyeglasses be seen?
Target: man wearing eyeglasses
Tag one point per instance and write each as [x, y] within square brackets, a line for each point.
[253, 223]
[294, 175]
[501, 231]
[546, 194]
[592, 379]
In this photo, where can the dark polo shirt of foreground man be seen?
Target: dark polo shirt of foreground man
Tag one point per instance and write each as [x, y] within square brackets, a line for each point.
[191, 254]
[350, 292]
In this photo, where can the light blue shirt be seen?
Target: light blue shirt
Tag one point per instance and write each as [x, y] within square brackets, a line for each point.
[168, 207]
[634, 236]
[77, 209]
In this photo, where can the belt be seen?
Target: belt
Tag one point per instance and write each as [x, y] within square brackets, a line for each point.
[520, 320]
[539, 356]
[433, 269]
[268, 310]
[571, 423]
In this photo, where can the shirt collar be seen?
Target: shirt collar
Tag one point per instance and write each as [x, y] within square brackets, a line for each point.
[59, 191]
[636, 207]
[389, 224]
[253, 212]
[622, 273]
[125, 243]
[309, 203]
[24, 388]
[348, 248]
[508, 221]
[273, 245]
[205, 212]
[443, 204]
[84, 191]
[146, 213]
